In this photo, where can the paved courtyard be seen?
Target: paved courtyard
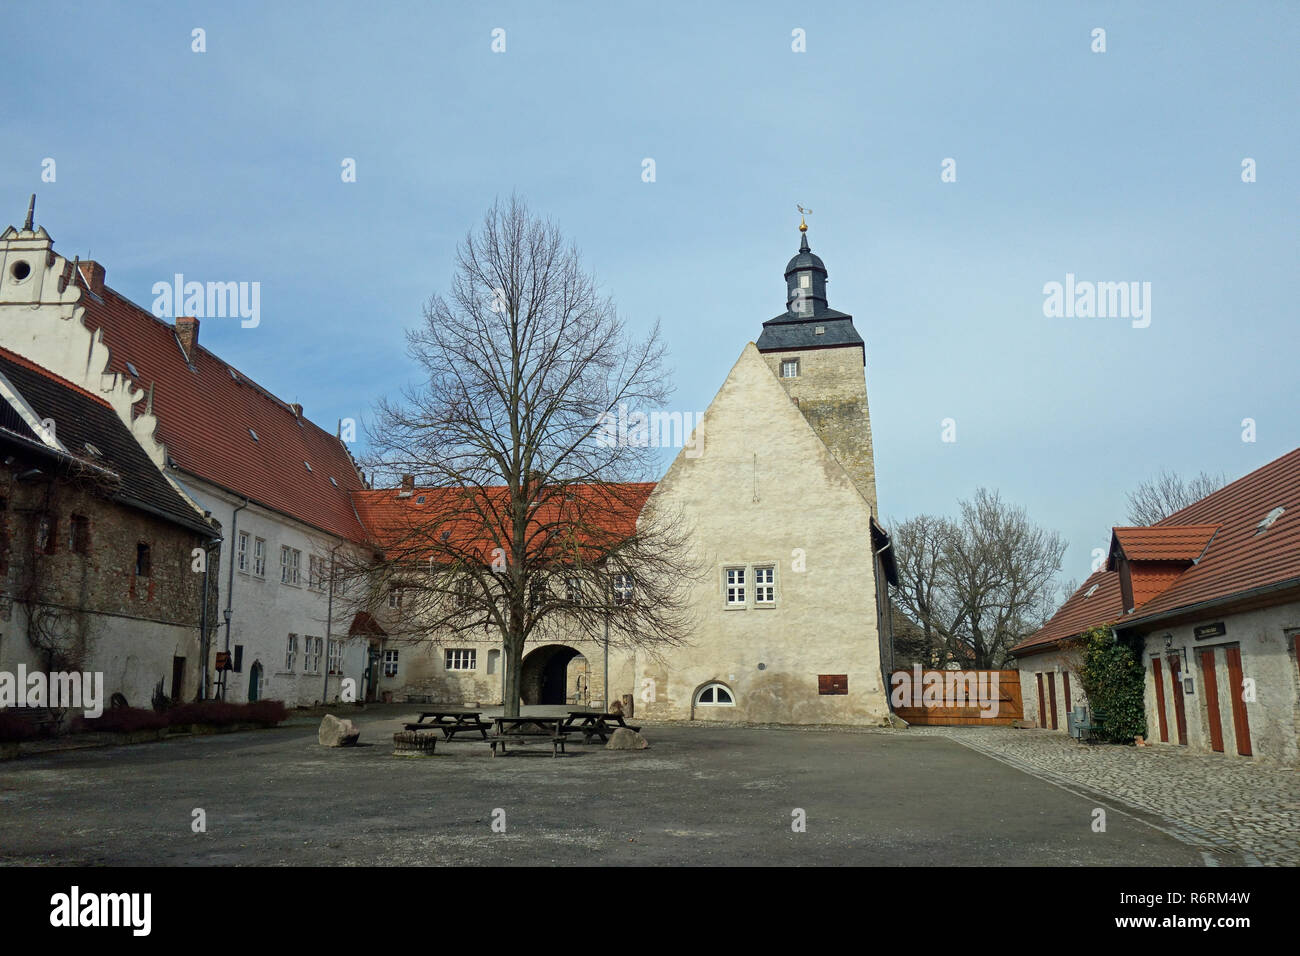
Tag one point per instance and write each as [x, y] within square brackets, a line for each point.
[700, 795]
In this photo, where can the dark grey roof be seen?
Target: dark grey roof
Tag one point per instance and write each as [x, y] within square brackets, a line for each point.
[789, 331]
[82, 423]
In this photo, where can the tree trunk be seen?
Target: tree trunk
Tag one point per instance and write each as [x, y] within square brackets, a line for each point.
[513, 654]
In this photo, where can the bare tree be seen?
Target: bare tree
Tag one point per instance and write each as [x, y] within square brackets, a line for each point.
[1159, 497]
[980, 583]
[531, 519]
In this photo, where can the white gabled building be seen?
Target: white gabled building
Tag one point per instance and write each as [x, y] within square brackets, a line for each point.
[279, 485]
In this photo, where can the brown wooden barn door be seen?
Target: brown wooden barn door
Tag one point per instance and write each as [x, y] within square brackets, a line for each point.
[1042, 704]
[1051, 697]
[1160, 699]
[1211, 681]
[1240, 723]
[1180, 706]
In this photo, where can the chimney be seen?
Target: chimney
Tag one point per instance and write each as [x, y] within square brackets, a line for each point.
[93, 275]
[297, 410]
[408, 482]
[187, 330]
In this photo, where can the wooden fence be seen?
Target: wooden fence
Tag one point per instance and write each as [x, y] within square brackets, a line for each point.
[946, 713]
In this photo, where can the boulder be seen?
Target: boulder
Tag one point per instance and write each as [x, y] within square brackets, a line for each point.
[624, 739]
[337, 733]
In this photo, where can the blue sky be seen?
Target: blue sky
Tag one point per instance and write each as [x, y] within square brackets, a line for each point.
[1115, 166]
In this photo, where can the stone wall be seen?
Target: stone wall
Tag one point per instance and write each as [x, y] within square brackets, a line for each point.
[96, 611]
[831, 392]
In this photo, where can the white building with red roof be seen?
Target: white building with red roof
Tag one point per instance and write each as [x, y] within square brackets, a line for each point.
[1211, 597]
[278, 484]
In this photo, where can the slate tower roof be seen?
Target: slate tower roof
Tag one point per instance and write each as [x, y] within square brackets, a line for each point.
[808, 321]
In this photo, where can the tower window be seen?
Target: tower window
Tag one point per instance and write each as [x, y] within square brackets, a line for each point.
[790, 368]
[805, 281]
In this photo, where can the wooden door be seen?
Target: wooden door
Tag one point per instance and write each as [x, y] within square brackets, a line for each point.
[1211, 681]
[1065, 679]
[1042, 706]
[178, 677]
[1051, 697]
[1180, 706]
[1240, 723]
[1160, 699]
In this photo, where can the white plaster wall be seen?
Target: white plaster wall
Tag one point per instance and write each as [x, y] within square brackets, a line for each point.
[1267, 657]
[265, 611]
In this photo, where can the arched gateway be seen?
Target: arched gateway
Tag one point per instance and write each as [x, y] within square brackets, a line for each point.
[553, 674]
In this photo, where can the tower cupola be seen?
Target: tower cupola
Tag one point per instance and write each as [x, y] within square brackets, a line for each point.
[805, 280]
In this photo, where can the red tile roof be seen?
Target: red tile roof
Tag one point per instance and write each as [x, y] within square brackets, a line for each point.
[1098, 601]
[1180, 542]
[205, 413]
[412, 524]
[1239, 557]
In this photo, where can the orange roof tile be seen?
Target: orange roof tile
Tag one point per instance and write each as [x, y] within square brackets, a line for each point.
[1239, 556]
[1097, 601]
[1180, 542]
[404, 521]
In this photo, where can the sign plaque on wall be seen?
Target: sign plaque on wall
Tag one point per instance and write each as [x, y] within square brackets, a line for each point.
[1210, 630]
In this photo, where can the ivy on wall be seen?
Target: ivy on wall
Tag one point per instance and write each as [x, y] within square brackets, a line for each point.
[1114, 680]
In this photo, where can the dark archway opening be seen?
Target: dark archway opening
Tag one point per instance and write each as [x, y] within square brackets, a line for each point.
[544, 675]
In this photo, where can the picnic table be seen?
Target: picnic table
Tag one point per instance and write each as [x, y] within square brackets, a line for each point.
[525, 729]
[450, 722]
[594, 724]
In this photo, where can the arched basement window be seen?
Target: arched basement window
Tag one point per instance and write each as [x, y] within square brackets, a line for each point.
[715, 695]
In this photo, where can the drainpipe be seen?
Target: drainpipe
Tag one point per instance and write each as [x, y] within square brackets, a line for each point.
[230, 584]
[203, 620]
[329, 620]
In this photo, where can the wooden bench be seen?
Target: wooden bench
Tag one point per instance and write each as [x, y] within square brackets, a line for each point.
[519, 737]
[520, 730]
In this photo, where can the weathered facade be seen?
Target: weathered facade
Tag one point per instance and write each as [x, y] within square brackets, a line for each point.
[278, 485]
[103, 565]
[778, 489]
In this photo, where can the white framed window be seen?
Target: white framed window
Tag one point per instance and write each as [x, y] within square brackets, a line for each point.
[290, 562]
[461, 659]
[241, 552]
[336, 657]
[715, 695]
[462, 592]
[395, 599]
[573, 590]
[735, 587]
[622, 589]
[259, 557]
[790, 368]
[805, 281]
[390, 663]
[290, 653]
[765, 584]
[316, 573]
[311, 652]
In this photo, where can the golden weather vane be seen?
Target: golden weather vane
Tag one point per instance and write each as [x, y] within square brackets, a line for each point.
[803, 223]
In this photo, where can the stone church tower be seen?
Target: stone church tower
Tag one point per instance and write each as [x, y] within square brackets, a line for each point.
[791, 611]
[820, 359]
